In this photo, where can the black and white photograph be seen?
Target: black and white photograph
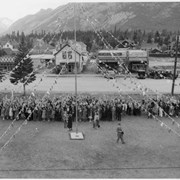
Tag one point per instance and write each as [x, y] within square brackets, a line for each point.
[89, 89]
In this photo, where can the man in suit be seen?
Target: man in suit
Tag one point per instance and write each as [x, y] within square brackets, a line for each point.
[120, 133]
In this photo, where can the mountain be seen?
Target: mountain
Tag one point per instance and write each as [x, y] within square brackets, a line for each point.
[4, 24]
[124, 15]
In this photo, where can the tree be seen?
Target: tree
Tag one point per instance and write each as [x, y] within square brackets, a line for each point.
[135, 37]
[1, 76]
[94, 47]
[164, 47]
[149, 40]
[157, 37]
[23, 71]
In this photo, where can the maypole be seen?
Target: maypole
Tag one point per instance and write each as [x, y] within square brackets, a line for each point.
[75, 68]
[76, 135]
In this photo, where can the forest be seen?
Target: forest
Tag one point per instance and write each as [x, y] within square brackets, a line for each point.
[93, 40]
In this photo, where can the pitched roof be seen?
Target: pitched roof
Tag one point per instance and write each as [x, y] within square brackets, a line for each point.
[73, 42]
[64, 47]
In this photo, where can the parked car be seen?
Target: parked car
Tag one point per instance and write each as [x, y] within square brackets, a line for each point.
[141, 74]
[160, 74]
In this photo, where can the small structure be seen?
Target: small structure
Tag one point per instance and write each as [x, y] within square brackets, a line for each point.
[67, 54]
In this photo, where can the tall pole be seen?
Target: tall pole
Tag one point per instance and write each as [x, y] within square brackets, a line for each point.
[75, 67]
[175, 64]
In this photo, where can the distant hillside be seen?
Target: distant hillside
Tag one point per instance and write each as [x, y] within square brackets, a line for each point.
[130, 15]
[4, 24]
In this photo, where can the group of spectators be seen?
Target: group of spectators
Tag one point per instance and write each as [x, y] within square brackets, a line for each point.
[62, 108]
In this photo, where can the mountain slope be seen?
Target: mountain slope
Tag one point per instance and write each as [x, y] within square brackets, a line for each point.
[4, 24]
[137, 15]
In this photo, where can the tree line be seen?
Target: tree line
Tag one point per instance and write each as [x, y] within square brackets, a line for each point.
[93, 41]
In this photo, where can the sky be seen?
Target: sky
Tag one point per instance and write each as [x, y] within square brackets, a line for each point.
[16, 9]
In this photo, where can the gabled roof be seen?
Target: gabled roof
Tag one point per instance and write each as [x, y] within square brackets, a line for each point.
[155, 50]
[13, 43]
[73, 42]
[64, 47]
[120, 45]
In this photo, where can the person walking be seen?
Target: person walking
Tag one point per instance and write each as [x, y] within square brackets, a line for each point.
[120, 133]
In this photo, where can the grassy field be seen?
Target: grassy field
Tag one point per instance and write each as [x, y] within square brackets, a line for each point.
[44, 150]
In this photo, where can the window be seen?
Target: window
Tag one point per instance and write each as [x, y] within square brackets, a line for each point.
[70, 55]
[64, 55]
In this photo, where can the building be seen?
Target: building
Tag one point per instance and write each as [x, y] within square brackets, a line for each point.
[7, 62]
[40, 59]
[134, 60]
[41, 47]
[13, 45]
[67, 54]
[8, 56]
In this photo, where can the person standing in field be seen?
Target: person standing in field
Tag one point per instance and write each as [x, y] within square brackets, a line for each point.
[120, 133]
[96, 120]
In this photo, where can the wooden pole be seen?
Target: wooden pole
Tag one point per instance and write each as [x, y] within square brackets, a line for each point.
[175, 64]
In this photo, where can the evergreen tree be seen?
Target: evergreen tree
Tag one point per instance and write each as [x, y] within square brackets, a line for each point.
[135, 37]
[23, 73]
[149, 40]
[157, 37]
[1, 76]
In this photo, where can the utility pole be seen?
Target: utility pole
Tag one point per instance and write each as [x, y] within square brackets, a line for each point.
[175, 64]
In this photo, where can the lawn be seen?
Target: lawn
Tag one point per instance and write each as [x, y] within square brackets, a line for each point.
[44, 150]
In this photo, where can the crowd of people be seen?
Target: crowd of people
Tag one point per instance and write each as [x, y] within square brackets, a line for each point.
[62, 108]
